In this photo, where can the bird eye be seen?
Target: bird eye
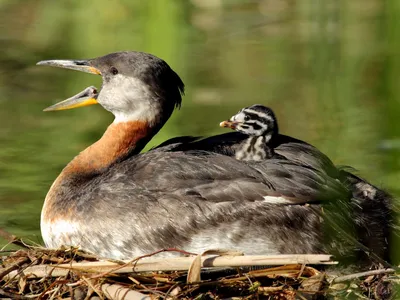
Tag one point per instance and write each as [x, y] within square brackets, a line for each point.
[246, 118]
[114, 70]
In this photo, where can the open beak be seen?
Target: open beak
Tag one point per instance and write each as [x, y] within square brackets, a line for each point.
[79, 65]
[229, 124]
[87, 97]
[84, 98]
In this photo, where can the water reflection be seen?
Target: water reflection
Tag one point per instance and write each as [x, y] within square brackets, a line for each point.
[329, 71]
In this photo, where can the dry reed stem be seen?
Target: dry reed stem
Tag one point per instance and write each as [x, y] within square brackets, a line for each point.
[171, 264]
[362, 274]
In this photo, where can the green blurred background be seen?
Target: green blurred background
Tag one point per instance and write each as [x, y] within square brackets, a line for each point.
[329, 69]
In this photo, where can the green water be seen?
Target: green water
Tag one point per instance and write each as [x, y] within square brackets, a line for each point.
[329, 69]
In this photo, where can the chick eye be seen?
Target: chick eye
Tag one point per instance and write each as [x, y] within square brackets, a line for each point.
[114, 70]
[246, 118]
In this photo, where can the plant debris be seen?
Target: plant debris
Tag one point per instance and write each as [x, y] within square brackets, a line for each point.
[39, 273]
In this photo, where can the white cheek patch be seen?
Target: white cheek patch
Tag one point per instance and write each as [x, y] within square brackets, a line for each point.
[129, 99]
[238, 117]
[142, 111]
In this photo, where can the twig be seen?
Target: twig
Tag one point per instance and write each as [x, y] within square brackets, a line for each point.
[12, 239]
[12, 295]
[119, 292]
[90, 284]
[362, 274]
[13, 267]
[301, 271]
[270, 289]
[7, 251]
[122, 264]
[56, 290]
[177, 284]
[51, 286]
[17, 273]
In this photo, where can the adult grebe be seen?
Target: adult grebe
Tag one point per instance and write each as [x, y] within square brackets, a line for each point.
[371, 206]
[117, 203]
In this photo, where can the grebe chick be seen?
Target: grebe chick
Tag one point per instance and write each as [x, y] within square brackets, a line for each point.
[259, 123]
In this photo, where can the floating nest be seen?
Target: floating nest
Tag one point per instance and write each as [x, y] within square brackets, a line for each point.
[38, 273]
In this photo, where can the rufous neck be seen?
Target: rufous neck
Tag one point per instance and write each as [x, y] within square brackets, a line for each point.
[118, 142]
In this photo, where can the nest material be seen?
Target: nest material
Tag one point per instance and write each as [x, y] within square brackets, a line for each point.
[37, 273]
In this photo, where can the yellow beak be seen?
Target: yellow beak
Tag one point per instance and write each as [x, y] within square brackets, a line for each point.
[85, 98]
[229, 124]
[78, 65]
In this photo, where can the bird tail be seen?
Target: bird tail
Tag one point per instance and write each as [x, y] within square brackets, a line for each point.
[371, 209]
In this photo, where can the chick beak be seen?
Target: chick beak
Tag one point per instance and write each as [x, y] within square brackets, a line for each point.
[228, 124]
